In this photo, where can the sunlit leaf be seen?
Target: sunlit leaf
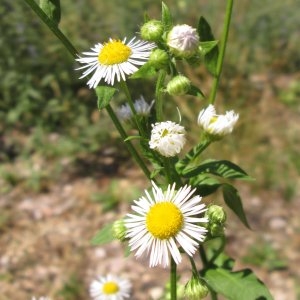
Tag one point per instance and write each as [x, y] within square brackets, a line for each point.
[233, 200]
[104, 95]
[237, 285]
[166, 17]
[103, 236]
[52, 9]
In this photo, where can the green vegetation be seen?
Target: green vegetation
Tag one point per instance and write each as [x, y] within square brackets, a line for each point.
[46, 109]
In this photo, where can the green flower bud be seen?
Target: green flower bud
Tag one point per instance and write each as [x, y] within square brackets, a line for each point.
[152, 31]
[216, 214]
[216, 230]
[119, 230]
[196, 288]
[178, 86]
[159, 59]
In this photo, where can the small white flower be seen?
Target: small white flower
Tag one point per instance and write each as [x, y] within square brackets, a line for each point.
[110, 288]
[168, 138]
[183, 40]
[114, 60]
[217, 125]
[165, 221]
[40, 298]
[124, 112]
[142, 108]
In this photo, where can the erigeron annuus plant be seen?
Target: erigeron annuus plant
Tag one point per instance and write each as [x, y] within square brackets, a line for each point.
[170, 220]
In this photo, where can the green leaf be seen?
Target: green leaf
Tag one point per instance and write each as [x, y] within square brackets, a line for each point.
[104, 94]
[133, 137]
[211, 58]
[145, 71]
[166, 17]
[234, 202]
[182, 164]
[103, 236]
[194, 91]
[237, 285]
[205, 47]
[52, 9]
[222, 168]
[205, 184]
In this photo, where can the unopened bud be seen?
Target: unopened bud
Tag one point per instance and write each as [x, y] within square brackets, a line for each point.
[216, 214]
[152, 31]
[159, 59]
[178, 86]
[196, 288]
[119, 230]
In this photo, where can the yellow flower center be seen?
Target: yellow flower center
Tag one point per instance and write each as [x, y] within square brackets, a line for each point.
[114, 52]
[110, 287]
[164, 220]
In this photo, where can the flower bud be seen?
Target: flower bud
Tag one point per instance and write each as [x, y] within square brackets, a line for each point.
[183, 41]
[159, 59]
[152, 31]
[178, 86]
[119, 230]
[216, 220]
[196, 288]
[216, 214]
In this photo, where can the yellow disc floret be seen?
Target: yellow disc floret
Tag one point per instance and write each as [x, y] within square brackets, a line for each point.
[114, 52]
[110, 287]
[164, 220]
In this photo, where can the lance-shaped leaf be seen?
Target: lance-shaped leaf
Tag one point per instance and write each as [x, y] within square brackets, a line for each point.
[222, 168]
[237, 285]
[103, 236]
[205, 184]
[205, 47]
[145, 71]
[104, 95]
[211, 58]
[195, 91]
[234, 202]
[52, 9]
[166, 17]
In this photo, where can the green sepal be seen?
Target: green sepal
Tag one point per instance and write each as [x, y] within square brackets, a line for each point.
[103, 236]
[211, 57]
[234, 202]
[52, 9]
[104, 94]
[241, 284]
[222, 168]
[145, 71]
[166, 17]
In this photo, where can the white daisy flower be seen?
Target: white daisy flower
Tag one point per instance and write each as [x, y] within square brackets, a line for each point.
[217, 125]
[142, 108]
[165, 221]
[183, 40]
[168, 138]
[114, 60]
[110, 288]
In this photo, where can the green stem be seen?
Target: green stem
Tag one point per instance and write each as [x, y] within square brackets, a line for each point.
[158, 95]
[203, 255]
[223, 43]
[53, 27]
[130, 147]
[194, 267]
[173, 279]
[125, 89]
